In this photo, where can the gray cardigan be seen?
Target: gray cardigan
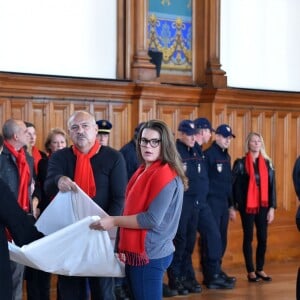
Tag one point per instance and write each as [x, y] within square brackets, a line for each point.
[161, 220]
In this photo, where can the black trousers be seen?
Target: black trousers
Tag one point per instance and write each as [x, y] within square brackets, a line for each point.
[219, 209]
[184, 241]
[260, 222]
[77, 288]
[298, 285]
[37, 284]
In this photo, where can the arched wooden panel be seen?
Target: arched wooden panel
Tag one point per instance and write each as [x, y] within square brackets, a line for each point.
[81, 105]
[121, 113]
[257, 121]
[240, 123]
[37, 116]
[169, 115]
[173, 114]
[294, 151]
[219, 114]
[4, 110]
[101, 111]
[19, 109]
[59, 114]
[147, 109]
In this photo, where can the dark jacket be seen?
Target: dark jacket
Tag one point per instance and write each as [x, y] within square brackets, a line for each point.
[203, 175]
[109, 172]
[130, 155]
[21, 229]
[41, 177]
[9, 171]
[296, 177]
[241, 180]
[192, 165]
[219, 172]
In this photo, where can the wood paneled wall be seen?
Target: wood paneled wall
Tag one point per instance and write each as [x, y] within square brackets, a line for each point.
[49, 101]
[276, 116]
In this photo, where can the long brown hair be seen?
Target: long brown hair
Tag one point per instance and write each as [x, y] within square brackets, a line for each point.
[169, 153]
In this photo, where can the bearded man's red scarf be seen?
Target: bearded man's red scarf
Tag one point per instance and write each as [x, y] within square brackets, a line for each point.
[84, 175]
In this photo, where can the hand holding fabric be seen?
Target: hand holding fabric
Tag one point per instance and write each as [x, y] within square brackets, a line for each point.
[105, 223]
[65, 184]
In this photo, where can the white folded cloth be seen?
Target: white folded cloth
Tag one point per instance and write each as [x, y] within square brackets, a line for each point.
[71, 247]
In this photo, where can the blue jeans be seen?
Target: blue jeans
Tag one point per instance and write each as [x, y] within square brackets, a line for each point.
[146, 281]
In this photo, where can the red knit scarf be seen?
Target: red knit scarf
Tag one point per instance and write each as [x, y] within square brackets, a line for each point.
[256, 197]
[143, 187]
[24, 174]
[84, 175]
[36, 157]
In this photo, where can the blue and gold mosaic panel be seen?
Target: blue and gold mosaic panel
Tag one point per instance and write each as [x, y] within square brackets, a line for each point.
[170, 32]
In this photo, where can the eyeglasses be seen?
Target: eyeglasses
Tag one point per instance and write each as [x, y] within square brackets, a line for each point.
[153, 142]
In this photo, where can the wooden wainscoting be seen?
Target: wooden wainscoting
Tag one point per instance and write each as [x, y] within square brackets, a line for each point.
[49, 101]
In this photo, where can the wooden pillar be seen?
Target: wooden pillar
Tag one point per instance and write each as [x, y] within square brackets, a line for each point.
[141, 68]
[215, 75]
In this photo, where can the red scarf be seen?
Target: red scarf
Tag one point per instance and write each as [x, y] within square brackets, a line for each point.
[24, 175]
[144, 185]
[256, 197]
[36, 157]
[84, 175]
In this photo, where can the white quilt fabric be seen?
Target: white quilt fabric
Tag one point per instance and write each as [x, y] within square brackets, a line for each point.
[71, 247]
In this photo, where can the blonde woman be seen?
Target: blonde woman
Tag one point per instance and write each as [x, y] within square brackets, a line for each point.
[255, 198]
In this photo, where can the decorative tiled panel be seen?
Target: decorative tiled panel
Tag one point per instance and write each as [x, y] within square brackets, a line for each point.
[170, 32]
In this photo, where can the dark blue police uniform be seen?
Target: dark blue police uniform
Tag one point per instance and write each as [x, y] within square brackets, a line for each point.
[130, 156]
[210, 238]
[181, 267]
[220, 187]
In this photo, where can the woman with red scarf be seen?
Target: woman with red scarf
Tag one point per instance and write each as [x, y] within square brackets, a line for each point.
[152, 210]
[255, 197]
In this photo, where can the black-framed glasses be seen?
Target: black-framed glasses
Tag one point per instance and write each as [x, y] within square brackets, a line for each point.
[153, 142]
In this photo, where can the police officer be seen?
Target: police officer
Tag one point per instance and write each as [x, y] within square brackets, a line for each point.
[220, 184]
[130, 154]
[181, 273]
[104, 128]
[210, 238]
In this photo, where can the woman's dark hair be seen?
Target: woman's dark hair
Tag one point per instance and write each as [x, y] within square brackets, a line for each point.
[169, 153]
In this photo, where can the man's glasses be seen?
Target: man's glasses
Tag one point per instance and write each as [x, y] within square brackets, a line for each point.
[153, 142]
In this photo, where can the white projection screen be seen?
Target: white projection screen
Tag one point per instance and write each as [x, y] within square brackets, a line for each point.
[260, 45]
[59, 37]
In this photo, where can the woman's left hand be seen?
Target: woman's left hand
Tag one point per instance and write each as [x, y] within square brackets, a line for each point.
[270, 215]
[105, 223]
[232, 214]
